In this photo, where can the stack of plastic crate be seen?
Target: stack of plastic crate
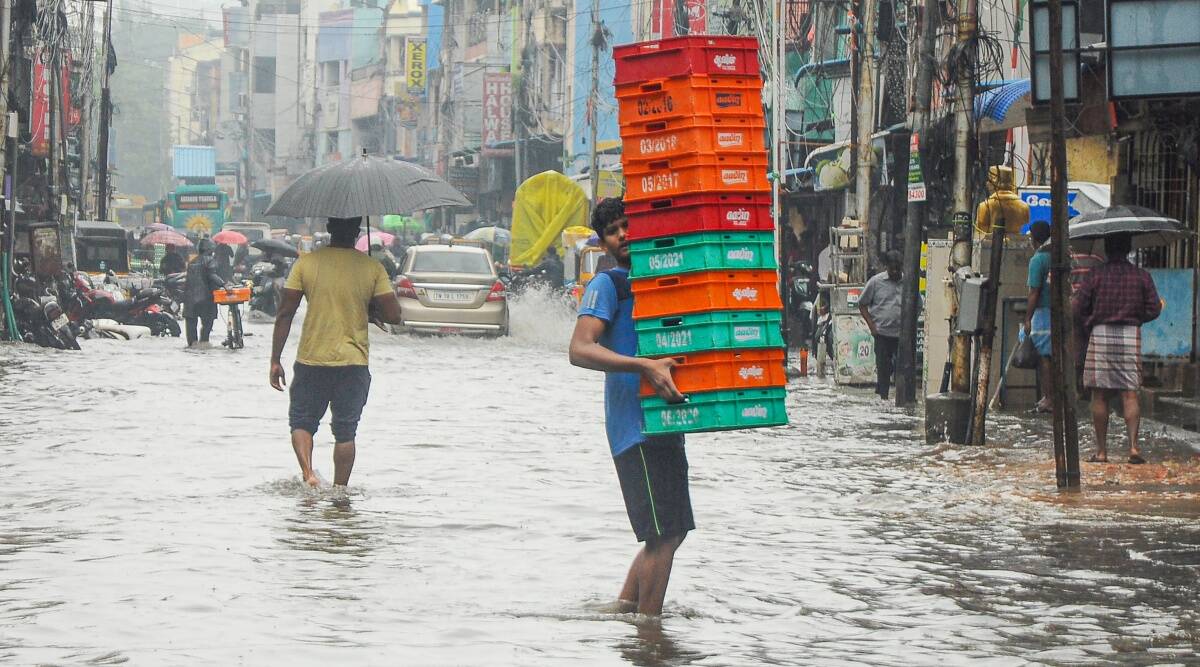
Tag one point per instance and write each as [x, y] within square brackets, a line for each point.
[702, 243]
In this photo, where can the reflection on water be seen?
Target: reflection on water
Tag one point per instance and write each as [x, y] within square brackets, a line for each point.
[157, 519]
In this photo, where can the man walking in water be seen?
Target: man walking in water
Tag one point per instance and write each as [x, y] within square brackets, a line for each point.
[652, 470]
[342, 286]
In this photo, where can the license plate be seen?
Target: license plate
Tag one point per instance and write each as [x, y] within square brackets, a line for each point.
[451, 296]
[60, 322]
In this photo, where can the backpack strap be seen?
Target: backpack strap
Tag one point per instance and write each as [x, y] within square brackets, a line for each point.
[620, 280]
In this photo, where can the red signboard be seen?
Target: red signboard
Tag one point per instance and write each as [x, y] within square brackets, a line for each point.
[497, 112]
[662, 18]
[40, 107]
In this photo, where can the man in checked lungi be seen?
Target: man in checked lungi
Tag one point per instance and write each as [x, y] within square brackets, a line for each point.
[1113, 302]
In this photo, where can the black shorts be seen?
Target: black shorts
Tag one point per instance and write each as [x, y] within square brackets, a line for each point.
[654, 481]
[341, 389]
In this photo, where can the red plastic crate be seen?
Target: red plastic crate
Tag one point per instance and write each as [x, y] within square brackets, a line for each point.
[681, 175]
[703, 292]
[721, 370]
[683, 97]
[684, 56]
[691, 213]
[697, 134]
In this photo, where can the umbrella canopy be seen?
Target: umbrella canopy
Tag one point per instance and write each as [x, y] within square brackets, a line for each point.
[160, 227]
[164, 237]
[230, 237]
[382, 238]
[495, 235]
[276, 246]
[1147, 227]
[365, 185]
[402, 223]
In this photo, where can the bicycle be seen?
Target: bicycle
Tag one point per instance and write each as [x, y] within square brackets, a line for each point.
[234, 298]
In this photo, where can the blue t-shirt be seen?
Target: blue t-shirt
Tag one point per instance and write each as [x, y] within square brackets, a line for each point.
[1039, 276]
[622, 409]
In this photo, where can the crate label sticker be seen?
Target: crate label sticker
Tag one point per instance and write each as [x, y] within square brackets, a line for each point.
[747, 293]
[747, 334]
[740, 255]
[656, 105]
[730, 139]
[738, 216]
[728, 100]
[751, 372]
[653, 145]
[660, 182]
[681, 417]
[670, 260]
[735, 176]
[755, 412]
[726, 61]
[673, 340]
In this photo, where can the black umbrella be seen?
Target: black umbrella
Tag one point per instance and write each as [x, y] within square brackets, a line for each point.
[1147, 227]
[277, 247]
[365, 186]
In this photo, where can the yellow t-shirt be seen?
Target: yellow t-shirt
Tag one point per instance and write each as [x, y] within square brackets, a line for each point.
[339, 284]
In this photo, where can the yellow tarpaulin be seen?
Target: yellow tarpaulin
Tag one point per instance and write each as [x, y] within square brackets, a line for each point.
[544, 206]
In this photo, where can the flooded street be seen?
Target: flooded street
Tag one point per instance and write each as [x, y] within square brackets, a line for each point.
[152, 514]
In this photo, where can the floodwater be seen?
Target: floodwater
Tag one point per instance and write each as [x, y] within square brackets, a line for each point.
[151, 514]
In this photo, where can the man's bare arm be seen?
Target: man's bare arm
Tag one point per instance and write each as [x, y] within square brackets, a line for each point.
[587, 352]
[283, 326]
[387, 308]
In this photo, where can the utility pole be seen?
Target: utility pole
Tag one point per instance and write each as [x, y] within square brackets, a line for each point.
[960, 254]
[248, 177]
[85, 118]
[1062, 358]
[53, 72]
[865, 113]
[105, 119]
[918, 124]
[5, 22]
[594, 100]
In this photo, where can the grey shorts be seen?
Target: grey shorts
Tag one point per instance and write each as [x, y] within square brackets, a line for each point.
[341, 389]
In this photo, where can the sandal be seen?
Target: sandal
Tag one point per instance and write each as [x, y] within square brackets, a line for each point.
[1135, 459]
[1095, 459]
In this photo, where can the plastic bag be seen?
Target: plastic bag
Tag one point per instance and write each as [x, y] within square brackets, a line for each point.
[1026, 355]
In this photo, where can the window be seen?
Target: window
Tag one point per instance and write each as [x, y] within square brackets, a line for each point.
[333, 73]
[264, 75]
[440, 261]
[1154, 48]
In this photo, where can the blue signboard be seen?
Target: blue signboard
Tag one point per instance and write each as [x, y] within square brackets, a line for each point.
[1170, 336]
[1038, 200]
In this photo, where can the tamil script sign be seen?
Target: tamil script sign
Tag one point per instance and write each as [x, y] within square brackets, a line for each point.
[497, 111]
[916, 180]
[415, 65]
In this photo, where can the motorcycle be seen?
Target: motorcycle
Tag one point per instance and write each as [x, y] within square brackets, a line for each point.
[172, 286]
[267, 280]
[40, 319]
[107, 302]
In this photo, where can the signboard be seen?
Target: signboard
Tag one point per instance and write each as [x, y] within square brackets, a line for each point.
[853, 351]
[1037, 198]
[497, 112]
[39, 121]
[415, 64]
[916, 180]
[228, 183]
[662, 18]
[197, 202]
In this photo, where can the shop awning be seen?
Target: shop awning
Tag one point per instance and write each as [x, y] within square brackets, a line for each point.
[1002, 105]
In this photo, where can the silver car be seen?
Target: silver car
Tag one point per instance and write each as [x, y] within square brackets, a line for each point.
[451, 289]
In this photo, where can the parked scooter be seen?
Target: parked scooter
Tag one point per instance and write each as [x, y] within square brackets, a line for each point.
[267, 280]
[107, 302]
[40, 318]
[172, 286]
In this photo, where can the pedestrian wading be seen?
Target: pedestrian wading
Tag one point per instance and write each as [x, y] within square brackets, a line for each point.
[653, 471]
[343, 288]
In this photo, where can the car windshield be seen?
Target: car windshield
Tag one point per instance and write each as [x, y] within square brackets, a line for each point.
[451, 262]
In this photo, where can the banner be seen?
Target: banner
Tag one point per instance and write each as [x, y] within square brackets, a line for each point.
[415, 65]
[497, 112]
[662, 18]
[39, 124]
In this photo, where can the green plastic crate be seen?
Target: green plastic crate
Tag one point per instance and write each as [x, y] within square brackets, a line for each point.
[716, 411]
[721, 330]
[707, 251]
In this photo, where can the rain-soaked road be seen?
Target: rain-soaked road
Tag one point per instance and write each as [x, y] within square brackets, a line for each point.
[151, 514]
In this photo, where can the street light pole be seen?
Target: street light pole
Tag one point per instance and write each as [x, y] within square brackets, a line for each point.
[102, 193]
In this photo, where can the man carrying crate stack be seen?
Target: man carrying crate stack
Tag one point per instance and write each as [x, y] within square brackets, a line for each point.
[652, 470]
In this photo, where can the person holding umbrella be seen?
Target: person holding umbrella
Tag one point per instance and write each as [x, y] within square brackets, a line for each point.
[1112, 304]
[342, 287]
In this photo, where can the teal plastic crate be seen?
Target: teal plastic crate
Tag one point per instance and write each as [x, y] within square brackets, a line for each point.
[706, 251]
[716, 411]
[721, 330]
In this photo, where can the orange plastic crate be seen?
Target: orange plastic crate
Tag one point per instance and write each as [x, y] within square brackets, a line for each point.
[690, 174]
[703, 292]
[684, 97]
[676, 137]
[236, 295]
[721, 370]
